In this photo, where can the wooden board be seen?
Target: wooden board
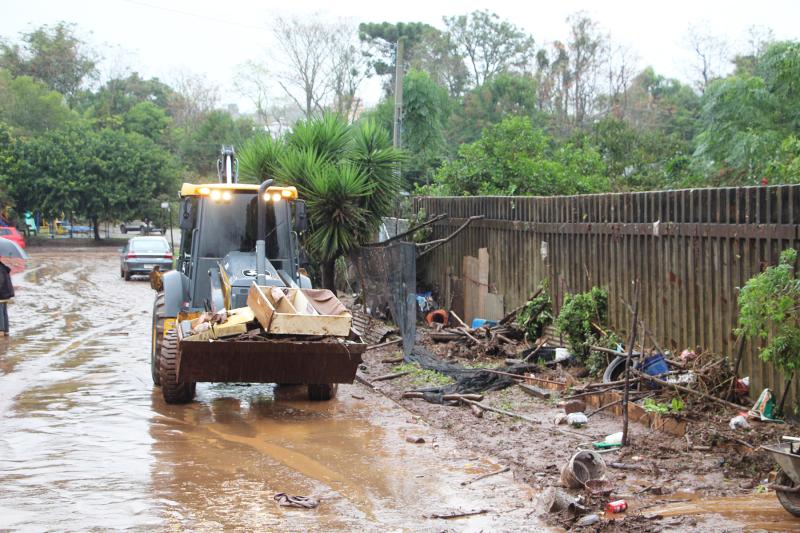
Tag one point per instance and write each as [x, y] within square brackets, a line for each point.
[283, 311]
[471, 288]
[483, 282]
[235, 325]
[261, 306]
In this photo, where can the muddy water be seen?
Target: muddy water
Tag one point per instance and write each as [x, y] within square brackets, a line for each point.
[756, 512]
[86, 443]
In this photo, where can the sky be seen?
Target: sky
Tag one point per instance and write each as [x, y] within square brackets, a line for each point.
[170, 38]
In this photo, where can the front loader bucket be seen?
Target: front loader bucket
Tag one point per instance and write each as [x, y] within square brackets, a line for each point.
[270, 360]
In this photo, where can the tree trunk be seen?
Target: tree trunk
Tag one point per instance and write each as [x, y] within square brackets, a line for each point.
[329, 275]
[96, 229]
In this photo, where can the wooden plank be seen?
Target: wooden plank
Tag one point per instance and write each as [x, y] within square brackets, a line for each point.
[299, 324]
[471, 287]
[483, 281]
[261, 306]
[236, 324]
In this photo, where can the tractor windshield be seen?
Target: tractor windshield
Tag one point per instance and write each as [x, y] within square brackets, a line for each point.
[231, 226]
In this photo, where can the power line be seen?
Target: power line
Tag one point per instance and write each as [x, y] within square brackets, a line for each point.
[195, 15]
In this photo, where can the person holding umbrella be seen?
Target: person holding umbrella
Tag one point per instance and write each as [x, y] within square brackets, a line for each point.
[12, 260]
[6, 293]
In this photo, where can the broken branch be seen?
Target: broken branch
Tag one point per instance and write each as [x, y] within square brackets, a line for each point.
[484, 476]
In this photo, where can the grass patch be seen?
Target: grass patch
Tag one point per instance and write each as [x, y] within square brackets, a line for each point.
[423, 377]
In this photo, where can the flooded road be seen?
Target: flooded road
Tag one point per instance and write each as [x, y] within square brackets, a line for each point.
[86, 443]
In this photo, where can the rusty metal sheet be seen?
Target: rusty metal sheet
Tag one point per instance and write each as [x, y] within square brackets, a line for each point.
[269, 361]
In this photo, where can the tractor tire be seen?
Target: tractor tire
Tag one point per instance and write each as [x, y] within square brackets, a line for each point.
[157, 337]
[322, 392]
[789, 500]
[173, 391]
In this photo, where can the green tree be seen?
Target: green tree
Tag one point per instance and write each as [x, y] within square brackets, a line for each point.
[146, 118]
[29, 107]
[101, 175]
[490, 45]
[769, 312]
[199, 146]
[53, 55]
[514, 157]
[117, 96]
[344, 172]
[745, 119]
[482, 107]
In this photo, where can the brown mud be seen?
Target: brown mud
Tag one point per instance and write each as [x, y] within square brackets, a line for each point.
[682, 491]
[86, 442]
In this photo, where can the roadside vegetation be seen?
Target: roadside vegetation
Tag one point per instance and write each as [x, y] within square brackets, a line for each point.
[488, 109]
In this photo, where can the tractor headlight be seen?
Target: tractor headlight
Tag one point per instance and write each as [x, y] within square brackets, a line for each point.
[226, 196]
[276, 197]
[216, 195]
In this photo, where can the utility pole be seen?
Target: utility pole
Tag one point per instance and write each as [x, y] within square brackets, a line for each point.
[398, 93]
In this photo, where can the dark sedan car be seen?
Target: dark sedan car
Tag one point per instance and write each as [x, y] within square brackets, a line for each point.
[141, 254]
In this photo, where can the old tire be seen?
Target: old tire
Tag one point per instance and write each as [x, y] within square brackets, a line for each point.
[789, 500]
[157, 337]
[173, 391]
[322, 392]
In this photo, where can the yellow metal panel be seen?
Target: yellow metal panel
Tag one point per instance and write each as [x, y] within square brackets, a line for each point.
[169, 325]
[194, 189]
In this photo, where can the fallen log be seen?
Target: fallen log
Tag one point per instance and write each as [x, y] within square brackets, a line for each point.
[484, 476]
[395, 375]
[446, 397]
[392, 360]
[361, 379]
[536, 392]
[501, 411]
[444, 336]
[623, 466]
[458, 514]
[384, 344]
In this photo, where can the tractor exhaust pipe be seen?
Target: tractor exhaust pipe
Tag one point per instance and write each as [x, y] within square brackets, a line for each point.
[261, 234]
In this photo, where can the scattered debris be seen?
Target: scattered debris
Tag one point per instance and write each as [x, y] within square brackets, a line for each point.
[484, 476]
[303, 502]
[738, 422]
[415, 440]
[617, 506]
[577, 420]
[457, 514]
[582, 467]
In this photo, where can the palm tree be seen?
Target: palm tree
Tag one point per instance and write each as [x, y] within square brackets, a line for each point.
[346, 173]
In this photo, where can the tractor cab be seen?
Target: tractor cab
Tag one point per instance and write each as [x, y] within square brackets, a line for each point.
[219, 230]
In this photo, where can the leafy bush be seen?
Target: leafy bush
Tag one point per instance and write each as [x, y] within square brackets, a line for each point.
[769, 310]
[578, 317]
[537, 313]
[674, 407]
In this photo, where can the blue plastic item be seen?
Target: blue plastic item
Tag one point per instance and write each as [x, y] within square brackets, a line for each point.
[655, 365]
[478, 322]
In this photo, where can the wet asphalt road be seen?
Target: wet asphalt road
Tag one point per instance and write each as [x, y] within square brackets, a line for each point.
[86, 443]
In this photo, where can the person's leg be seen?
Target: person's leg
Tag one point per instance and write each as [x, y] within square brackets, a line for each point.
[3, 318]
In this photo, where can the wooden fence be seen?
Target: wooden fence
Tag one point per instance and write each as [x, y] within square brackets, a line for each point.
[690, 249]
